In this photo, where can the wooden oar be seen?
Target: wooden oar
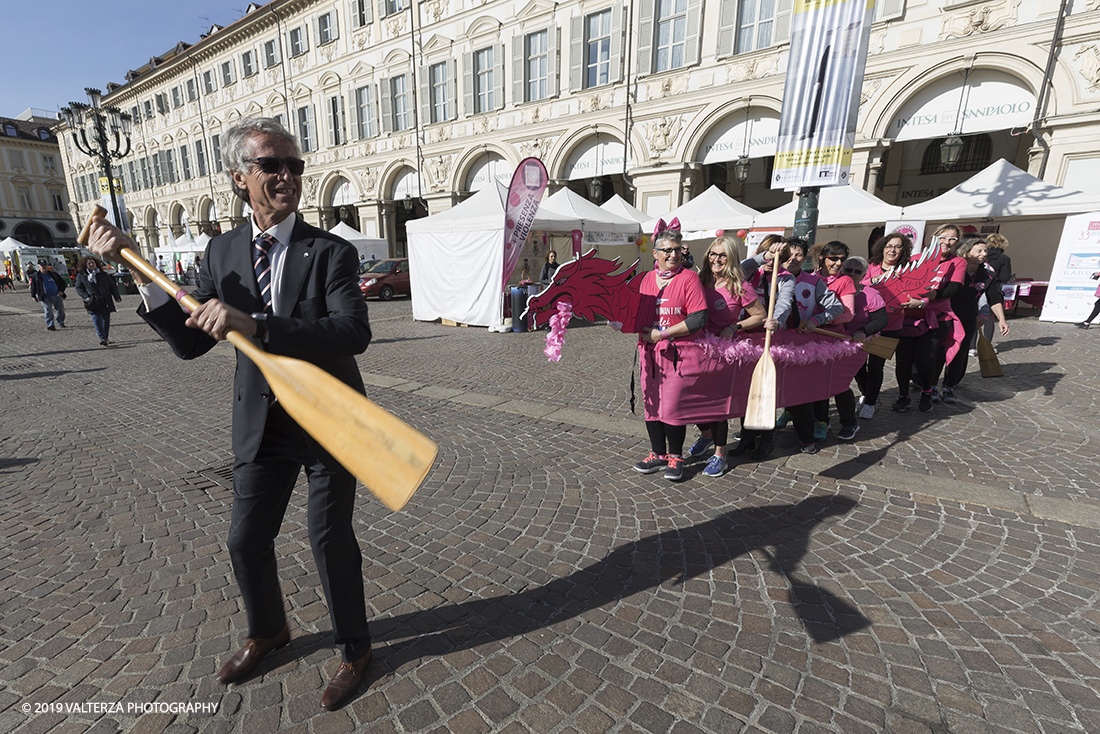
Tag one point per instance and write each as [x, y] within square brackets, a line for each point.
[386, 454]
[880, 346]
[987, 358]
[760, 411]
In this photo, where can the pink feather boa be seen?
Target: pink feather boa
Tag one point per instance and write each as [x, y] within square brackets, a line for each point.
[748, 350]
[556, 337]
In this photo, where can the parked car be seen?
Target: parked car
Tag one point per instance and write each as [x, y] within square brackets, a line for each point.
[386, 278]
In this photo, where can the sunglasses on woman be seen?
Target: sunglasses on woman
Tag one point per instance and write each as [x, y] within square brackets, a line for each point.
[834, 258]
[271, 164]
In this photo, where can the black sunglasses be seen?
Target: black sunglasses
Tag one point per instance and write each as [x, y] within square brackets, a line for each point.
[833, 258]
[270, 164]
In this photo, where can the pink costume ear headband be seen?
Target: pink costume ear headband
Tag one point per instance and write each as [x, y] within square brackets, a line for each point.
[661, 226]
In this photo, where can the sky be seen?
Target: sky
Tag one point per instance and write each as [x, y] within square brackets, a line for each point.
[53, 49]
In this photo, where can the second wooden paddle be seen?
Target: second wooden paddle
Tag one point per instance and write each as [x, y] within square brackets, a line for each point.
[987, 358]
[760, 411]
[383, 452]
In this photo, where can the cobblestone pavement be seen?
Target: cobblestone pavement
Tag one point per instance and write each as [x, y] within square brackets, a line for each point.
[940, 574]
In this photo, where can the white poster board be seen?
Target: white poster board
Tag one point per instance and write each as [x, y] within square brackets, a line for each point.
[913, 229]
[756, 235]
[1071, 292]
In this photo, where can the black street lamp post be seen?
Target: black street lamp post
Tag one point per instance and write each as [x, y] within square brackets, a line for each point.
[109, 138]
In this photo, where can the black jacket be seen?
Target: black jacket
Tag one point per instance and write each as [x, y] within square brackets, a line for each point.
[1001, 264]
[104, 285]
[36, 283]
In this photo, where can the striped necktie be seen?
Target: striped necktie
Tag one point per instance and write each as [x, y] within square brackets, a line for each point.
[262, 265]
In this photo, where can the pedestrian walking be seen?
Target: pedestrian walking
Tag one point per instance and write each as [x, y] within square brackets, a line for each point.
[48, 288]
[99, 293]
[293, 288]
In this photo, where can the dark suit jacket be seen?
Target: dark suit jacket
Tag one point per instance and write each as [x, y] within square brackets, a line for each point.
[323, 316]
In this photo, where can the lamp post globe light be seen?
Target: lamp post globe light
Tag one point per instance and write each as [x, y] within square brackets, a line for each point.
[100, 132]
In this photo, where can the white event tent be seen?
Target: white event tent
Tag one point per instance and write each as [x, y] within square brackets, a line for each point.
[617, 205]
[10, 243]
[369, 248]
[1029, 211]
[456, 258]
[837, 206]
[707, 213]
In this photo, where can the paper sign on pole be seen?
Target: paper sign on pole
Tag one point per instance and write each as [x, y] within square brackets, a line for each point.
[1072, 291]
[817, 126]
[756, 235]
[524, 194]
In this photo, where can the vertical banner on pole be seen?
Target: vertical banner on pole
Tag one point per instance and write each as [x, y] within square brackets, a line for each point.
[105, 193]
[817, 126]
[578, 242]
[524, 194]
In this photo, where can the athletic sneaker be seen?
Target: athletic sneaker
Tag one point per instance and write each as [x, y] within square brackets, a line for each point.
[716, 467]
[867, 412]
[821, 430]
[925, 404]
[848, 433]
[935, 394]
[949, 396]
[809, 448]
[973, 353]
[700, 447]
[651, 463]
[1082, 325]
[783, 419]
[901, 404]
[675, 470]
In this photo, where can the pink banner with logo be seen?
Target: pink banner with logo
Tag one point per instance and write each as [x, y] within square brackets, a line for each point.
[528, 185]
[578, 239]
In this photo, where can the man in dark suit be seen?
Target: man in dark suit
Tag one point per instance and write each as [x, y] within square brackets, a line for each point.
[293, 288]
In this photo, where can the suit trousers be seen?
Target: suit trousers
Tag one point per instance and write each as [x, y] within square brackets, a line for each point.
[261, 492]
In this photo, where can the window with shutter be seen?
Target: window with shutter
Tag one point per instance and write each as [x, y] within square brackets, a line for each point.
[537, 66]
[439, 100]
[334, 107]
[185, 162]
[216, 153]
[200, 157]
[364, 112]
[271, 53]
[248, 63]
[483, 80]
[889, 9]
[400, 99]
[361, 13]
[597, 49]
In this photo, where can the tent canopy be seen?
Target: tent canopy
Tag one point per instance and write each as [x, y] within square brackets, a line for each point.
[184, 243]
[837, 206]
[590, 217]
[10, 243]
[485, 211]
[709, 211]
[617, 205]
[369, 248]
[1002, 190]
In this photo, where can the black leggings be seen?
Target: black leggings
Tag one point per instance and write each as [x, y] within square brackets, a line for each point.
[1095, 312]
[661, 434]
[919, 352]
[870, 375]
[719, 431]
[845, 408]
[957, 369]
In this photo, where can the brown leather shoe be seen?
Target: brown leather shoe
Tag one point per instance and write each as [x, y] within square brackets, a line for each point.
[246, 659]
[345, 682]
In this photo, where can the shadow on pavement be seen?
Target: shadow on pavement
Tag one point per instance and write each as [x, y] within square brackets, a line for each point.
[6, 464]
[782, 532]
[56, 373]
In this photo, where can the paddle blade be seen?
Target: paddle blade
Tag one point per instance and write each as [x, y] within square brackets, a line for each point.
[987, 358]
[387, 455]
[760, 411]
[881, 346]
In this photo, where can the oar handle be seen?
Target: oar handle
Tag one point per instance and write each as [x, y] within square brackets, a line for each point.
[139, 263]
[772, 290]
[837, 334]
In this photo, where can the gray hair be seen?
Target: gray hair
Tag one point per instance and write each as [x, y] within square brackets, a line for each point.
[673, 235]
[234, 144]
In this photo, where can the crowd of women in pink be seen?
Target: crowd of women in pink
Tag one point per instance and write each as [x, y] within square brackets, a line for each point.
[683, 384]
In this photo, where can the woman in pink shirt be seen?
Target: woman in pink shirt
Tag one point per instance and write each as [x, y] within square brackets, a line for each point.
[829, 266]
[732, 308]
[890, 252]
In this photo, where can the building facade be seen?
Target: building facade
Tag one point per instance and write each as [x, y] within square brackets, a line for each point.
[34, 200]
[404, 107]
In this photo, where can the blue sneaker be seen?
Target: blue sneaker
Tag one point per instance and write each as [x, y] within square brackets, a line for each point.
[821, 430]
[783, 419]
[716, 467]
[700, 447]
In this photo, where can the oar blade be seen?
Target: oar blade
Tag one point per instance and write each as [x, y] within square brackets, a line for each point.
[760, 411]
[387, 455]
[988, 362]
[881, 346]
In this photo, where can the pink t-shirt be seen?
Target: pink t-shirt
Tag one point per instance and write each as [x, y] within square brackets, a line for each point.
[867, 300]
[672, 304]
[724, 308]
[845, 289]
